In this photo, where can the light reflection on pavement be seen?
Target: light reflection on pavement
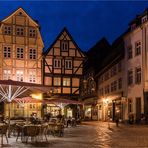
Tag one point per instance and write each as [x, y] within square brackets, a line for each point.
[94, 135]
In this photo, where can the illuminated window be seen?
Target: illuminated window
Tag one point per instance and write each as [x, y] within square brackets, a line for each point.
[20, 53]
[66, 81]
[57, 81]
[68, 64]
[138, 48]
[19, 75]
[7, 30]
[64, 45]
[57, 63]
[32, 53]
[32, 76]
[6, 74]
[32, 32]
[7, 52]
[20, 31]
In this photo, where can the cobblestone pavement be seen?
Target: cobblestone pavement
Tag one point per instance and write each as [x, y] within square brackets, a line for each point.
[93, 135]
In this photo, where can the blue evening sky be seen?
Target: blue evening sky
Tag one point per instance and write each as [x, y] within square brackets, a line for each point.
[87, 21]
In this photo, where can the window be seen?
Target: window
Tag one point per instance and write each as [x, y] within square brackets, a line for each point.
[138, 75]
[129, 53]
[137, 48]
[7, 52]
[101, 91]
[6, 74]
[106, 76]
[57, 81]
[119, 67]
[130, 77]
[57, 63]
[7, 30]
[20, 31]
[107, 89]
[133, 26]
[19, 75]
[32, 76]
[119, 83]
[68, 64]
[66, 81]
[113, 71]
[20, 53]
[64, 45]
[32, 32]
[112, 87]
[144, 19]
[129, 105]
[32, 54]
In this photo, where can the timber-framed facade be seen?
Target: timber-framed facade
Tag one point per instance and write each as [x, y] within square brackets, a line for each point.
[62, 65]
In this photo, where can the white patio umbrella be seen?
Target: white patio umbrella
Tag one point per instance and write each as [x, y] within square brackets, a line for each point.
[9, 90]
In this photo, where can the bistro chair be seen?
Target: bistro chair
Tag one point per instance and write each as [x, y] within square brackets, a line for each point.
[59, 129]
[44, 131]
[31, 131]
[3, 131]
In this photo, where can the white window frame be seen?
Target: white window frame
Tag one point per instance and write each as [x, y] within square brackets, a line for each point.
[32, 54]
[6, 74]
[66, 81]
[68, 64]
[144, 19]
[137, 48]
[19, 75]
[32, 32]
[7, 30]
[32, 76]
[19, 52]
[20, 31]
[7, 52]
[57, 63]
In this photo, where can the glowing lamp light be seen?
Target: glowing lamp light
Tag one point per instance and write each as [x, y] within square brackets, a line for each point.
[37, 96]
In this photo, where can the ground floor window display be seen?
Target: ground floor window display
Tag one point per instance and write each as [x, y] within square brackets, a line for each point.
[88, 110]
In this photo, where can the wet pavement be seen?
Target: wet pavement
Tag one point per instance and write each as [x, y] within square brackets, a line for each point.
[93, 135]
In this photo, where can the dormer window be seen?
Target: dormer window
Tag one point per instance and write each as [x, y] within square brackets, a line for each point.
[64, 45]
[133, 26]
[144, 19]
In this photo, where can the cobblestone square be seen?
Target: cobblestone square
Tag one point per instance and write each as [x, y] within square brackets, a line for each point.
[93, 135]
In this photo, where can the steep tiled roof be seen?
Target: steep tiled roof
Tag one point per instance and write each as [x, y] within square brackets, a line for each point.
[96, 55]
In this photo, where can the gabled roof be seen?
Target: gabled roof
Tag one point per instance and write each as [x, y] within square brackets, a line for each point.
[20, 9]
[64, 29]
[97, 54]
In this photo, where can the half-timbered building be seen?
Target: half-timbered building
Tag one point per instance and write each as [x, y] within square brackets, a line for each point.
[20, 50]
[62, 66]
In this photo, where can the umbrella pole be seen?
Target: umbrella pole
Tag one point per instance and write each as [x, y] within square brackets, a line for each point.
[9, 119]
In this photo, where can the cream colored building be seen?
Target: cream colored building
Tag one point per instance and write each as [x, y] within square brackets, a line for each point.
[21, 48]
[110, 90]
[136, 71]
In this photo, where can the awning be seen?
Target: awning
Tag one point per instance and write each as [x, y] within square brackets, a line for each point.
[64, 101]
[26, 100]
[10, 89]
